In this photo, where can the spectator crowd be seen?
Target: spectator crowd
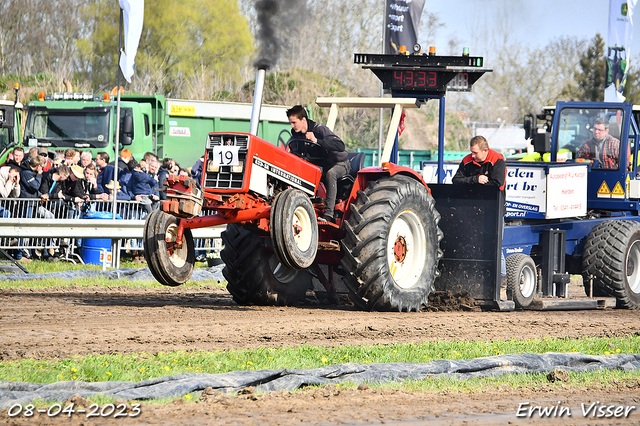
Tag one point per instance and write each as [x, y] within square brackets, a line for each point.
[64, 184]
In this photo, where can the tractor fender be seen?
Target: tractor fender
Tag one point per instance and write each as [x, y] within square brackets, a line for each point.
[369, 174]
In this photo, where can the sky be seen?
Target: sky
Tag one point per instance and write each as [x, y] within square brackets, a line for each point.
[534, 22]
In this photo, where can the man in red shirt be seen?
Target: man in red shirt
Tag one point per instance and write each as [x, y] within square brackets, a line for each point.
[484, 166]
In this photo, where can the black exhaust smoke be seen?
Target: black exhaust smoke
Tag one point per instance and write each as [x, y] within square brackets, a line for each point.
[274, 18]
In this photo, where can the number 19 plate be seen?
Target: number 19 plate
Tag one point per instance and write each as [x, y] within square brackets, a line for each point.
[225, 156]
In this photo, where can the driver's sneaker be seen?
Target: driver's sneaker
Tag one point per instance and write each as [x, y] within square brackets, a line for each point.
[325, 218]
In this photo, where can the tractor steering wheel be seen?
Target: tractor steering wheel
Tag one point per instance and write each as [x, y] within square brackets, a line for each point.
[307, 150]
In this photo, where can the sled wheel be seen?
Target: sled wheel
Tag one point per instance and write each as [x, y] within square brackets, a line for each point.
[392, 245]
[521, 279]
[294, 229]
[170, 264]
[255, 275]
[612, 257]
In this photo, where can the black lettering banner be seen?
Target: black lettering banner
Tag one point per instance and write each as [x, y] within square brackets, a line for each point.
[402, 19]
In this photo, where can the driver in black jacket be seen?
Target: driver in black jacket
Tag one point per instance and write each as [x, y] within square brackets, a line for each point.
[334, 166]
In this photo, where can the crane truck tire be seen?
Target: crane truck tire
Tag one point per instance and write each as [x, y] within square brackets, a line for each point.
[392, 245]
[612, 257]
[170, 265]
[294, 229]
[521, 279]
[255, 275]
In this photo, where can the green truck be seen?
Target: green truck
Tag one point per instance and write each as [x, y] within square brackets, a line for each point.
[9, 125]
[170, 128]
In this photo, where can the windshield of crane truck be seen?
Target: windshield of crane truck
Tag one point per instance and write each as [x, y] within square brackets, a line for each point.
[69, 128]
[591, 134]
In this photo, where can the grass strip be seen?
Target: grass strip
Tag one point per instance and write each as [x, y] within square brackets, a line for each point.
[141, 366]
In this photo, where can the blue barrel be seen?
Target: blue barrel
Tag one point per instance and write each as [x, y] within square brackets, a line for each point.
[92, 247]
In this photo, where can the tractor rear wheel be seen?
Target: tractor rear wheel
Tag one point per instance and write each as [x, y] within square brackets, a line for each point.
[392, 245]
[255, 275]
[521, 279]
[612, 257]
[170, 264]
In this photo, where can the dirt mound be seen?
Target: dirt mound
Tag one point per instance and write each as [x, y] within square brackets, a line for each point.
[449, 301]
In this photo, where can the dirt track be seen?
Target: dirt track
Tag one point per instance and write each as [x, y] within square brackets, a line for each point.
[53, 323]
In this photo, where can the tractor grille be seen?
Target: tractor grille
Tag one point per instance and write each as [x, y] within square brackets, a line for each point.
[224, 177]
[233, 140]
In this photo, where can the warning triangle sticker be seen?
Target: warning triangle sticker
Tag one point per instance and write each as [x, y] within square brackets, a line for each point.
[617, 192]
[603, 191]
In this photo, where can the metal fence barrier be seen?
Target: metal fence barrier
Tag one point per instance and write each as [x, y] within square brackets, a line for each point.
[56, 226]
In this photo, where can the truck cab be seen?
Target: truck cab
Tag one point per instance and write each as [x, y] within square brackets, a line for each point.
[613, 182]
[86, 122]
[9, 127]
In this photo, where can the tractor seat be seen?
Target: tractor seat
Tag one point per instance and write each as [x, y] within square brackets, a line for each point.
[357, 163]
[346, 182]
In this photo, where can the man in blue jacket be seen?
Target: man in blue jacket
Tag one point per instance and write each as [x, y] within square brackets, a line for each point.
[105, 172]
[142, 187]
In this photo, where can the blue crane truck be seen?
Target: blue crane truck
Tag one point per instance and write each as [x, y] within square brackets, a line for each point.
[575, 215]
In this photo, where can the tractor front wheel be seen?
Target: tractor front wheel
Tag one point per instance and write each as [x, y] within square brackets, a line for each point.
[392, 245]
[294, 229]
[171, 264]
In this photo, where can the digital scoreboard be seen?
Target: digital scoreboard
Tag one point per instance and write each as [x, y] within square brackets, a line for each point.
[412, 75]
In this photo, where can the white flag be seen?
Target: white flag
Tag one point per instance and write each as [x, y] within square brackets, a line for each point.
[618, 48]
[133, 18]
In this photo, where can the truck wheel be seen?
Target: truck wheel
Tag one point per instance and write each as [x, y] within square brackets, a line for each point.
[294, 229]
[612, 256]
[169, 264]
[254, 274]
[392, 245]
[521, 279]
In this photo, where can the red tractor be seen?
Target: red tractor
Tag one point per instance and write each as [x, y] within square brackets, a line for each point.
[385, 242]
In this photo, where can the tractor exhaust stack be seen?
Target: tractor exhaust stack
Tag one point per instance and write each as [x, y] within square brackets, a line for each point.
[257, 102]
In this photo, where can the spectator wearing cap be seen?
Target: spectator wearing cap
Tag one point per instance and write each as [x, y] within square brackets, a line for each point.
[44, 153]
[73, 189]
[111, 187]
